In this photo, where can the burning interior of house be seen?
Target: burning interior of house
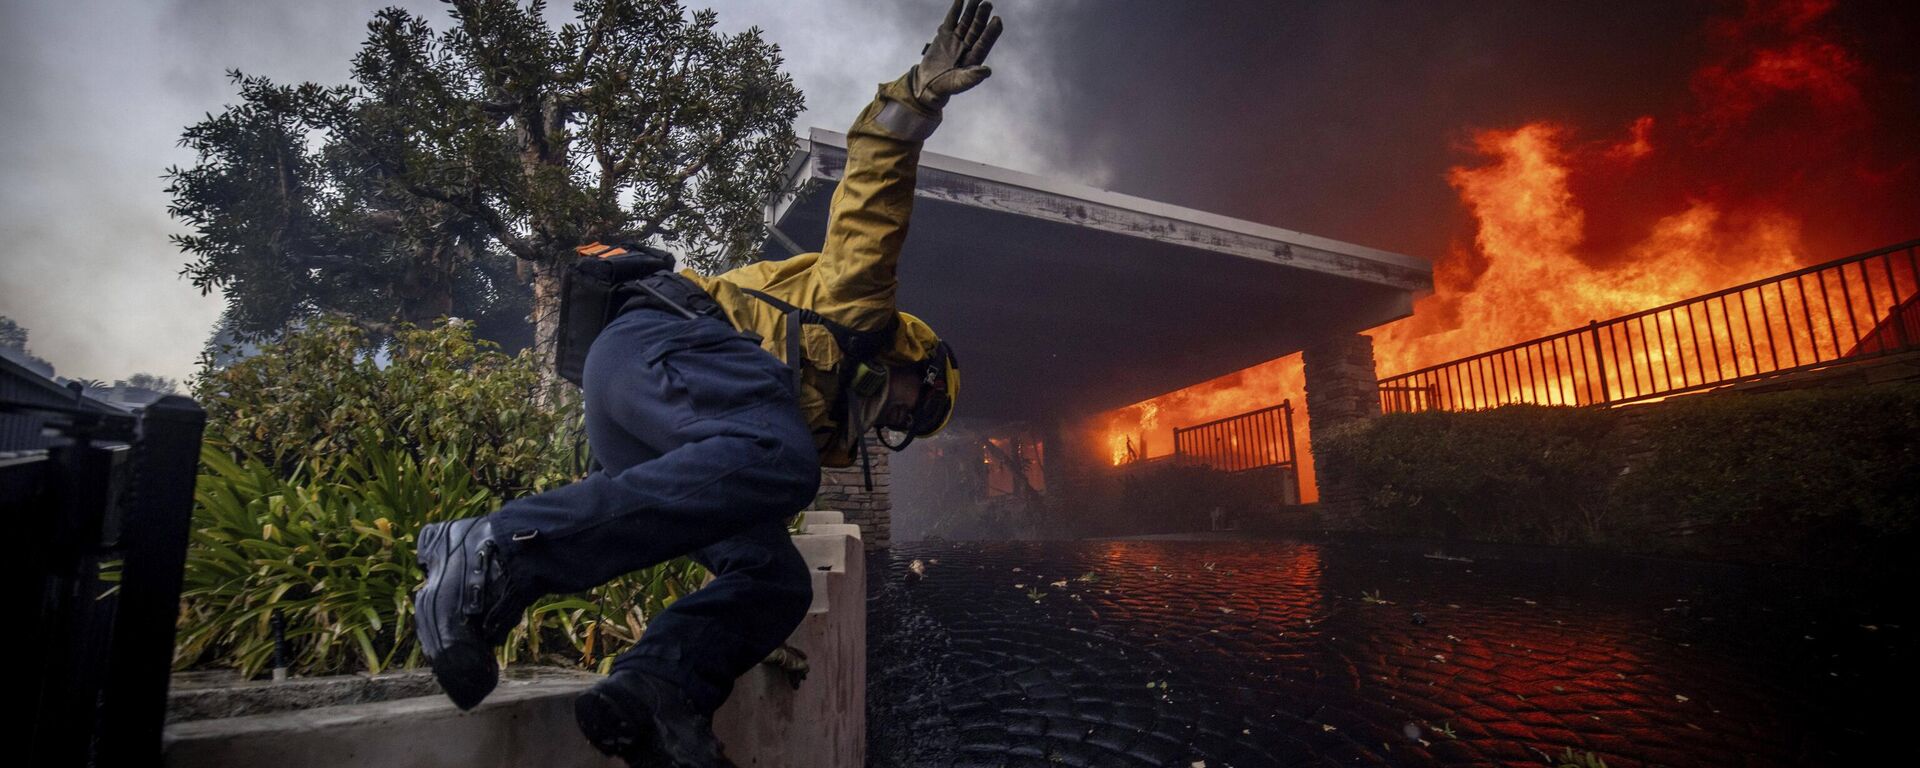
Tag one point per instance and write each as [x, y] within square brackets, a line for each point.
[1123, 342]
[1075, 312]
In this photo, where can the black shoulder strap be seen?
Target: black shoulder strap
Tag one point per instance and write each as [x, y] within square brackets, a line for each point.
[796, 354]
[856, 345]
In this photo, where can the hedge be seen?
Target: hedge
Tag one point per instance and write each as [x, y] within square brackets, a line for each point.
[1801, 472]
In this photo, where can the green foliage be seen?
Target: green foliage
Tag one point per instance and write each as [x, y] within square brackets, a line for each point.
[318, 398]
[161, 384]
[1797, 460]
[1783, 475]
[11, 334]
[14, 337]
[333, 550]
[319, 468]
[1521, 472]
[1571, 759]
[455, 156]
[1160, 497]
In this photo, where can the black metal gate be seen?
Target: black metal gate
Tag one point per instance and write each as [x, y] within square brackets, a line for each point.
[100, 500]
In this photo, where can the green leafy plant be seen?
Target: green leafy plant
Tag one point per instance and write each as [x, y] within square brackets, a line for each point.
[1570, 759]
[1800, 459]
[1825, 476]
[328, 392]
[334, 552]
[1527, 473]
[320, 466]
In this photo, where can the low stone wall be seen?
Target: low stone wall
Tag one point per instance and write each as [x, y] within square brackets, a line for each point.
[528, 720]
[846, 490]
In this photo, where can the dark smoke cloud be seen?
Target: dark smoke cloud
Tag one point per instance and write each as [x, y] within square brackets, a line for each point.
[1339, 119]
[1342, 119]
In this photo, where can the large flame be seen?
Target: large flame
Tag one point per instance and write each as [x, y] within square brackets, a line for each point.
[1570, 229]
[1532, 280]
[1147, 427]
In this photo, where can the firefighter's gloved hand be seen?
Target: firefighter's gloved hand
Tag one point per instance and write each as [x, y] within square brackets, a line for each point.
[954, 61]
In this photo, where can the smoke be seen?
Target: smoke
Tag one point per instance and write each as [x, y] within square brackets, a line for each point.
[97, 93]
[1558, 164]
[1345, 119]
[1340, 119]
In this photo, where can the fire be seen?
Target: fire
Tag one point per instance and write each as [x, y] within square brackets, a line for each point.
[1533, 280]
[1130, 443]
[1148, 426]
[1571, 231]
[1574, 224]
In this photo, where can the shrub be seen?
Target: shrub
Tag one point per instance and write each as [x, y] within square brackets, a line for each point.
[1176, 496]
[1809, 461]
[320, 397]
[334, 551]
[1517, 473]
[318, 470]
[1808, 475]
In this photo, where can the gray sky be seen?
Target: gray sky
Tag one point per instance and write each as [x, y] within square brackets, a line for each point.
[1343, 119]
[97, 92]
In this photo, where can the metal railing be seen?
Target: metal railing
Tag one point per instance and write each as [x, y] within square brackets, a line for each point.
[1860, 306]
[1251, 440]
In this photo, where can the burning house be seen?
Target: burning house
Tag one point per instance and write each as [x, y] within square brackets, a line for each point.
[1067, 303]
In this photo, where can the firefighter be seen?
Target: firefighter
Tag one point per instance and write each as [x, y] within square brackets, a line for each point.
[711, 404]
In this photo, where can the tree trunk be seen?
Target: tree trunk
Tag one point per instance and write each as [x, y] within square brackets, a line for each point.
[546, 325]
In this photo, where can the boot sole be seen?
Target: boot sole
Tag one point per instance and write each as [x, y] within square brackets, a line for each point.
[609, 730]
[467, 673]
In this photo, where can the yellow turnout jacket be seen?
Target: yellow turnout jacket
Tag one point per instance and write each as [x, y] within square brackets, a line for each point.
[851, 280]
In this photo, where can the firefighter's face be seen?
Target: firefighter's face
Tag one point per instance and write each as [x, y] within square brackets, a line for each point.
[903, 398]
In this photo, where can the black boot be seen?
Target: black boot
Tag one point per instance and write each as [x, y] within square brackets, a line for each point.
[648, 723]
[461, 612]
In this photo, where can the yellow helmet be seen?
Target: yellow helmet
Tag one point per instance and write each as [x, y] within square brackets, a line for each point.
[915, 344]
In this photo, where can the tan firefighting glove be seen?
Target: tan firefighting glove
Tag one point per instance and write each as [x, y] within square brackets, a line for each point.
[953, 62]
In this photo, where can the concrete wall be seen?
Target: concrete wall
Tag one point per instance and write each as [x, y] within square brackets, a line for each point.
[767, 723]
[528, 721]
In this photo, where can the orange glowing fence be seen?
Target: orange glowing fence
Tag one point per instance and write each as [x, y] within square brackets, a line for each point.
[1859, 306]
[1252, 440]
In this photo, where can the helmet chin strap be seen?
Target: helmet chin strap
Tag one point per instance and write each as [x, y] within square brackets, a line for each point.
[880, 433]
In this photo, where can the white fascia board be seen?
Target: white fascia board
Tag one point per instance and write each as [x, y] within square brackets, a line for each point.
[1039, 197]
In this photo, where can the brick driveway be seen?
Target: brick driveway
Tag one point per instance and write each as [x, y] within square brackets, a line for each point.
[1285, 653]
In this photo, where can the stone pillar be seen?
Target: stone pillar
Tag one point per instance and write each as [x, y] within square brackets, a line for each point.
[845, 491]
[1342, 388]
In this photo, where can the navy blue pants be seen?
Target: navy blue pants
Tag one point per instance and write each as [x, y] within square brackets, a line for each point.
[705, 453]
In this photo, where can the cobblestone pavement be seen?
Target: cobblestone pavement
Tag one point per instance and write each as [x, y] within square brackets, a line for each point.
[1250, 654]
